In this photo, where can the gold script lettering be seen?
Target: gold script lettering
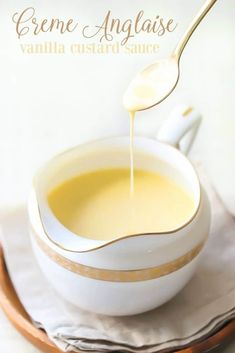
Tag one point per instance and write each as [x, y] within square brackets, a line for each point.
[103, 27]
[27, 17]
[24, 17]
[129, 27]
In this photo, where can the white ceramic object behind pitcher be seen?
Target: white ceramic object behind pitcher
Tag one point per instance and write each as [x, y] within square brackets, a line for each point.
[143, 270]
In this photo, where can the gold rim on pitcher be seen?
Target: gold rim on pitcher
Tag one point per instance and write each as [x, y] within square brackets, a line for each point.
[101, 274]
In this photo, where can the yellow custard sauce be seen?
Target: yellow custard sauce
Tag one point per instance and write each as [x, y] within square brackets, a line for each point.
[98, 205]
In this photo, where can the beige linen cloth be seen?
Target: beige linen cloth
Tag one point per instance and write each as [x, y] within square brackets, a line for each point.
[206, 303]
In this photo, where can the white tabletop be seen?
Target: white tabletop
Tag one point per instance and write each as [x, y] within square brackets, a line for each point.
[11, 340]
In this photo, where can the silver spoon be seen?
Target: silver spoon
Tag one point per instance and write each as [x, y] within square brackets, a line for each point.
[157, 81]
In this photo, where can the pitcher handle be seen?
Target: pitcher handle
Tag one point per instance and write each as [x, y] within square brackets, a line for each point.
[180, 129]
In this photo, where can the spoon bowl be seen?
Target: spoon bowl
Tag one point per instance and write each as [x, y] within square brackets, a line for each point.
[157, 81]
[152, 85]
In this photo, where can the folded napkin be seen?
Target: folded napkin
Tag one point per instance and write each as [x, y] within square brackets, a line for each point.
[204, 305]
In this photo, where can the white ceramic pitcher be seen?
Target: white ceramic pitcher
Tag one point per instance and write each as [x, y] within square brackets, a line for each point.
[103, 276]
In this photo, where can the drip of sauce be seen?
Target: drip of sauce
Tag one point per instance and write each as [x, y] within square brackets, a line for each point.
[141, 91]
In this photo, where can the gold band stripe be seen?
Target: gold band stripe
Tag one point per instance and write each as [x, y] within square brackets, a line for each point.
[119, 275]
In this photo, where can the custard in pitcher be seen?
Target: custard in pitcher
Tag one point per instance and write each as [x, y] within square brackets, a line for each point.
[98, 205]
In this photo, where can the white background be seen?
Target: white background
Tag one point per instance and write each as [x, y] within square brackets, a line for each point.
[52, 102]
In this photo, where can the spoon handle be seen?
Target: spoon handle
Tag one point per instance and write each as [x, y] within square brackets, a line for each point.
[201, 14]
